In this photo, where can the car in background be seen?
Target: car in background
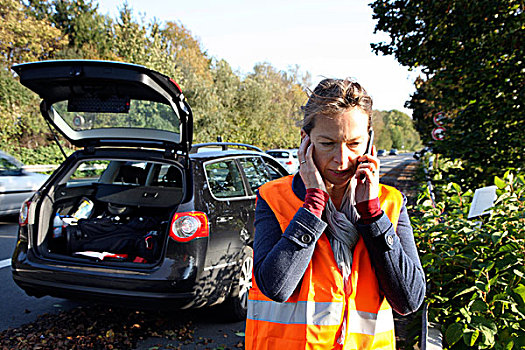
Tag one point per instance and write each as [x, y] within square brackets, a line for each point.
[381, 153]
[287, 158]
[16, 184]
[138, 214]
[393, 152]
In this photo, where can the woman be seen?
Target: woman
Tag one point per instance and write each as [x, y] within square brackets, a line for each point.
[334, 249]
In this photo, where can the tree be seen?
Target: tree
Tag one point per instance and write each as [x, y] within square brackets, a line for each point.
[472, 56]
[395, 129]
[24, 38]
[268, 104]
[260, 108]
[195, 76]
[88, 31]
[186, 50]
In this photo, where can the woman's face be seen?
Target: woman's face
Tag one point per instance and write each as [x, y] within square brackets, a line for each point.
[338, 142]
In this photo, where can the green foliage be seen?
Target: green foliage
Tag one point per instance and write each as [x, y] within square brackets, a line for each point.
[269, 105]
[259, 108]
[472, 55]
[395, 129]
[43, 155]
[86, 29]
[25, 38]
[20, 118]
[475, 268]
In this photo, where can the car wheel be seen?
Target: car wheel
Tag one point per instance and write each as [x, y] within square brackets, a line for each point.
[237, 302]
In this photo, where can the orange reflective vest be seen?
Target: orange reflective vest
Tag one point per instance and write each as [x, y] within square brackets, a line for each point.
[312, 317]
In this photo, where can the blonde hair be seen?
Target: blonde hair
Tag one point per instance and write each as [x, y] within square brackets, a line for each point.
[331, 98]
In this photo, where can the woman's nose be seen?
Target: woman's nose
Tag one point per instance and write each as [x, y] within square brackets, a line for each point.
[342, 155]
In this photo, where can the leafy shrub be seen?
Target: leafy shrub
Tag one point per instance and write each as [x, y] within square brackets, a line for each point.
[42, 155]
[475, 268]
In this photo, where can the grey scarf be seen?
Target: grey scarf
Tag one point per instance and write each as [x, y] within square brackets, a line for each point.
[343, 237]
[343, 234]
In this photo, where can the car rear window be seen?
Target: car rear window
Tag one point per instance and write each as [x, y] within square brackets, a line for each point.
[139, 114]
[88, 172]
[129, 173]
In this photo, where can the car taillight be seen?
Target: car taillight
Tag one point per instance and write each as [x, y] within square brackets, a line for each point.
[177, 85]
[24, 213]
[189, 225]
[289, 162]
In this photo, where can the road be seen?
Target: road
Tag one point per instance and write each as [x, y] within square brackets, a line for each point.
[17, 308]
[387, 163]
[208, 330]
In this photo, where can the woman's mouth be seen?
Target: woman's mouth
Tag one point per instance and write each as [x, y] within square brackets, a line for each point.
[340, 173]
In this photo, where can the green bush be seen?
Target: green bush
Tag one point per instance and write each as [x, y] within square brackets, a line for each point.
[475, 268]
[42, 155]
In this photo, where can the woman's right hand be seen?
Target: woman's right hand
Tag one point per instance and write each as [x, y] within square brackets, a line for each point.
[309, 173]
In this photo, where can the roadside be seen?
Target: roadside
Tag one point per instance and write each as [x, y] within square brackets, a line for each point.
[105, 327]
[403, 177]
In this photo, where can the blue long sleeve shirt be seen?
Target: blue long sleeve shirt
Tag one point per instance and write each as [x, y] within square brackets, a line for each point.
[280, 259]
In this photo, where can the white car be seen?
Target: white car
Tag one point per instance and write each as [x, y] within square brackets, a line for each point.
[287, 158]
[16, 184]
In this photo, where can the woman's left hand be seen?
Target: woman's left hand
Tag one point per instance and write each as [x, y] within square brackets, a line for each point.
[368, 188]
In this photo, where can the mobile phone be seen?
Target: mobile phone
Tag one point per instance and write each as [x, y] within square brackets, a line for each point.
[368, 147]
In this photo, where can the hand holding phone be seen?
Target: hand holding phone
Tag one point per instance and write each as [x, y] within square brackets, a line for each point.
[368, 148]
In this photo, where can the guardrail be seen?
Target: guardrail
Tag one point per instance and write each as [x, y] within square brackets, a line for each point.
[42, 168]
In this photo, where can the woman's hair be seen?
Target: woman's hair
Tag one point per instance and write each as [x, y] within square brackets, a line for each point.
[332, 97]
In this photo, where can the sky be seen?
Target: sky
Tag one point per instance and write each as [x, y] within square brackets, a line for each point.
[327, 38]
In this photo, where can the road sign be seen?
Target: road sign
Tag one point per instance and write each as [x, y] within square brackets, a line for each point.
[439, 119]
[438, 133]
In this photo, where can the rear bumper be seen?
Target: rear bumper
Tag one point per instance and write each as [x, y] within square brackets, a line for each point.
[106, 295]
[169, 283]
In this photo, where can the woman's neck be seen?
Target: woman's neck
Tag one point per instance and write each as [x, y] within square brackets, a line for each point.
[336, 194]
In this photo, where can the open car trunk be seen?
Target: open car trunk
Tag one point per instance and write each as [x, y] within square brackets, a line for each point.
[109, 211]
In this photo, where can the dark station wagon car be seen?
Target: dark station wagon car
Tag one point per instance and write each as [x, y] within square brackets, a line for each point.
[137, 215]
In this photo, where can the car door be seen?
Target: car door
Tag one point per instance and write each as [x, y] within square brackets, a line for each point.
[257, 172]
[226, 196]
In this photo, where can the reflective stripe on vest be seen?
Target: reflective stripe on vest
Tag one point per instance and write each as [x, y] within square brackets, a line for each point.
[369, 323]
[302, 312]
[320, 314]
[312, 317]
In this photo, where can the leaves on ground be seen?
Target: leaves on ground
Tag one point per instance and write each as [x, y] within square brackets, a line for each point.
[96, 327]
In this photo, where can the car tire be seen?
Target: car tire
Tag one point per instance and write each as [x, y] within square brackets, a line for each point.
[236, 304]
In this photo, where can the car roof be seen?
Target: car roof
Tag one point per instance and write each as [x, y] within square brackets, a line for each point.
[215, 153]
[280, 150]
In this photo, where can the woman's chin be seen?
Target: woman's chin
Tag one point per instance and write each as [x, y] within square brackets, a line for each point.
[340, 179]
